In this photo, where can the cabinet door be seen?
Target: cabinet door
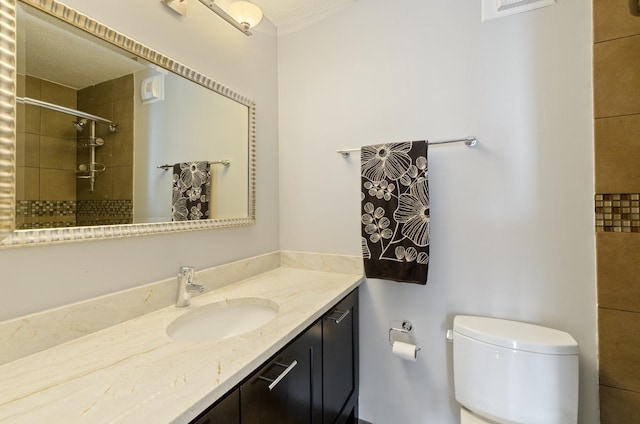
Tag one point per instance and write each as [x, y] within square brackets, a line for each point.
[288, 389]
[226, 411]
[339, 358]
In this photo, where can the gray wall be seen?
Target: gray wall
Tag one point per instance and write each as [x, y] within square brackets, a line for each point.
[511, 220]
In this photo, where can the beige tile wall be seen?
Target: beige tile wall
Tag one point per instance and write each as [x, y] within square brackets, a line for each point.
[617, 168]
[112, 100]
[617, 143]
[45, 150]
[48, 154]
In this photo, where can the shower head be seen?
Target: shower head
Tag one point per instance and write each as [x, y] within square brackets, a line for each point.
[79, 124]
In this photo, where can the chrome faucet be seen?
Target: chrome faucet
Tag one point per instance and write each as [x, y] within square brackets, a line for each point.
[185, 286]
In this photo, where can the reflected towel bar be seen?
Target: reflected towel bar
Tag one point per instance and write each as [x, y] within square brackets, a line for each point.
[225, 162]
[468, 141]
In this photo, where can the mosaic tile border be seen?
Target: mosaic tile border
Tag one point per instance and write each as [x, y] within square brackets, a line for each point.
[48, 224]
[104, 221]
[40, 214]
[618, 213]
[122, 208]
[35, 208]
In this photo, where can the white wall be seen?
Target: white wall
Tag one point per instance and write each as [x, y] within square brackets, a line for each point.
[512, 229]
[36, 278]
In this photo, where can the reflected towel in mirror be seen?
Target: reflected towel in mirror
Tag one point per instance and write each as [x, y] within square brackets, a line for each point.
[395, 211]
[191, 191]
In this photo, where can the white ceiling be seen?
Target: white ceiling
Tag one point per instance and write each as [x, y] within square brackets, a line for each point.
[289, 12]
[53, 51]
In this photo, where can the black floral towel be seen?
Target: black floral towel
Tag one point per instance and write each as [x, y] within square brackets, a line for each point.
[191, 184]
[395, 211]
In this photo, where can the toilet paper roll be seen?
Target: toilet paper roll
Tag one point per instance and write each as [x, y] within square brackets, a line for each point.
[405, 351]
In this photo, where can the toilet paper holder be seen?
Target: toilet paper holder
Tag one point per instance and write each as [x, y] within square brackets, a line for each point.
[406, 329]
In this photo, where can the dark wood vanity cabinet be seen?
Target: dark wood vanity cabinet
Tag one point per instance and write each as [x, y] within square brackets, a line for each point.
[224, 411]
[288, 389]
[313, 380]
[340, 362]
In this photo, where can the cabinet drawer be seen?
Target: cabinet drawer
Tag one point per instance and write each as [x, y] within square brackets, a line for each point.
[287, 390]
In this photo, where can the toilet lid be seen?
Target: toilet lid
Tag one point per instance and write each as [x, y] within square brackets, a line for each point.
[515, 335]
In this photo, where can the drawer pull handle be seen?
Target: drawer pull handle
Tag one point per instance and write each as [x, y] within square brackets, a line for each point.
[341, 317]
[282, 375]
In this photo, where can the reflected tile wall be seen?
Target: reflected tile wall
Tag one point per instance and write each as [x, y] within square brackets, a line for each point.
[45, 157]
[111, 202]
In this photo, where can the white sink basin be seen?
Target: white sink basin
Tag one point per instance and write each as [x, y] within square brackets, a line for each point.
[221, 320]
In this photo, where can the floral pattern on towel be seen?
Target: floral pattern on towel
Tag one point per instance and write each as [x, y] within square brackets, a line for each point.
[191, 188]
[395, 209]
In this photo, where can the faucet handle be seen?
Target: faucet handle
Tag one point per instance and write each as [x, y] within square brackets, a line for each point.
[186, 271]
[196, 288]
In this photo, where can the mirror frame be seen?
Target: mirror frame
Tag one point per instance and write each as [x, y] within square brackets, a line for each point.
[8, 75]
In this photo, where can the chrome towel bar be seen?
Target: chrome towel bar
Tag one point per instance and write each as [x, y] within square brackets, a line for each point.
[468, 141]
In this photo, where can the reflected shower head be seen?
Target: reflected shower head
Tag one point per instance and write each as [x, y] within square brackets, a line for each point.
[79, 125]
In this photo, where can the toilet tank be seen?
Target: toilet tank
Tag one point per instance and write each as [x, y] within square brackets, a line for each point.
[515, 373]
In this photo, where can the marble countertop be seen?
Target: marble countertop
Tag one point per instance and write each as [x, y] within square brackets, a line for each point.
[134, 373]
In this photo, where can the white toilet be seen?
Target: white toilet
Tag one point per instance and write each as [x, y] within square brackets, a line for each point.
[511, 372]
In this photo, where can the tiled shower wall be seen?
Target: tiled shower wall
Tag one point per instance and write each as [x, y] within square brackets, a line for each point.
[45, 157]
[48, 195]
[111, 202]
[617, 160]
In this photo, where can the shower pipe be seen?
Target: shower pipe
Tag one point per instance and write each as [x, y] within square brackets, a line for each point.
[93, 169]
[29, 101]
[468, 141]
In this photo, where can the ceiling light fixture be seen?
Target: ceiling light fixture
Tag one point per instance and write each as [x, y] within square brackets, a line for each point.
[242, 14]
[248, 14]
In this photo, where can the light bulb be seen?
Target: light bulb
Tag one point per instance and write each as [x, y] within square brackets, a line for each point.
[246, 13]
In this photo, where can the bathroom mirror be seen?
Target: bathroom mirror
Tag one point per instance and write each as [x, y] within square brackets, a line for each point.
[111, 138]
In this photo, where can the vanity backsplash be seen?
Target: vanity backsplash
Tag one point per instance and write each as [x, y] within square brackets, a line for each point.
[32, 333]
